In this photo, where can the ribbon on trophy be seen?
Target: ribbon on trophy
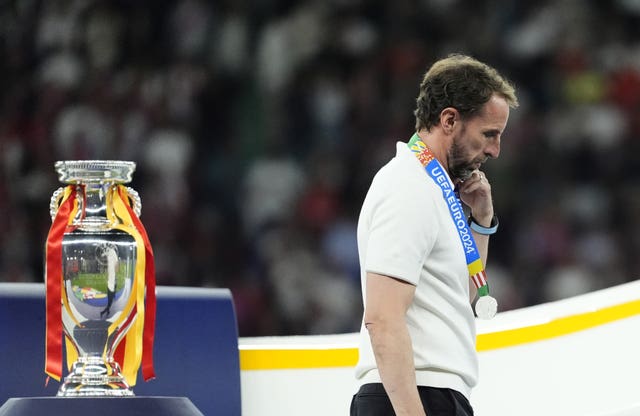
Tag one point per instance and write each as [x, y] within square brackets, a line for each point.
[486, 305]
[53, 272]
[136, 347]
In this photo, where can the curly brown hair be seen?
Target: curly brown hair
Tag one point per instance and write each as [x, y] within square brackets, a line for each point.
[461, 82]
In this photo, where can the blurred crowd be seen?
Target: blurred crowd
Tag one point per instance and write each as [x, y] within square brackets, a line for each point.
[257, 126]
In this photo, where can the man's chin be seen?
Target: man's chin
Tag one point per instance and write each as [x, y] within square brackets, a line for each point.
[462, 176]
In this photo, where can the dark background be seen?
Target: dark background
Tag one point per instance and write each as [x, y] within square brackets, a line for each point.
[258, 125]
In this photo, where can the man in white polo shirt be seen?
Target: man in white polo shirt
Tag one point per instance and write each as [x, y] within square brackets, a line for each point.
[417, 342]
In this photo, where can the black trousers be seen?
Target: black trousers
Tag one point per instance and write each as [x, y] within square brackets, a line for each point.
[372, 400]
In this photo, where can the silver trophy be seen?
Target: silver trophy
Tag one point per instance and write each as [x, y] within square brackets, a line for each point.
[98, 269]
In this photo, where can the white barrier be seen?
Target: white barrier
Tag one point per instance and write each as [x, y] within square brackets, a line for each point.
[630, 411]
[575, 357]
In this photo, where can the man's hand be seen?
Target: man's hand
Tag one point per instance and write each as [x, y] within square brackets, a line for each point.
[475, 192]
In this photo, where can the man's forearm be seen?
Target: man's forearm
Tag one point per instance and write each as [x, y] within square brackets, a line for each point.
[394, 356]
[482, 240]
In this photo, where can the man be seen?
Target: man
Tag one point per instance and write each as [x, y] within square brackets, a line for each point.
[417, 342]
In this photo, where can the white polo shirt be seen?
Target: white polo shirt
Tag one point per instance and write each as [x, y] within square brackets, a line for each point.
[405, 231]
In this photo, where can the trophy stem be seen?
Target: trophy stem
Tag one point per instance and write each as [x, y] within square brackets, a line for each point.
[94, 376]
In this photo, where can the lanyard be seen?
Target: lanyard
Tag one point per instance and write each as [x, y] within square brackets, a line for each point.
[486, 306]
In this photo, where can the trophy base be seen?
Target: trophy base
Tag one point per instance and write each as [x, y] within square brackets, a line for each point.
[93, 377]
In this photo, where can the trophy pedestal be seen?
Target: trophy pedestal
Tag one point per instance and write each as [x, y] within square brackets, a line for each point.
[99, 406]
[92, 376]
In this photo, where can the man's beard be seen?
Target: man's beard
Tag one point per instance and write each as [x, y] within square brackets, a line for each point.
[460, 169]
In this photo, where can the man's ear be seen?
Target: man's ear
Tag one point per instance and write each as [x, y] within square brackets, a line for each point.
[448, 119]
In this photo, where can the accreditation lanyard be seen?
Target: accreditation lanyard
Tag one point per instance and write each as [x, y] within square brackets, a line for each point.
[435, 171]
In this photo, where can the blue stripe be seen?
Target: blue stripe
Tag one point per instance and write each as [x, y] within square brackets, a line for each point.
[436, 172]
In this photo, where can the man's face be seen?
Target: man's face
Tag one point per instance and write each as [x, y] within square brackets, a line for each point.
[477, 139]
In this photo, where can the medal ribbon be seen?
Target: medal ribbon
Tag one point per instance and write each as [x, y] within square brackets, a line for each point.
[436, 172]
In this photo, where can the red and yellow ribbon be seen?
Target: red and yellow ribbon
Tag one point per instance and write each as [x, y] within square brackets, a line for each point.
[137, 347]
[53, 278]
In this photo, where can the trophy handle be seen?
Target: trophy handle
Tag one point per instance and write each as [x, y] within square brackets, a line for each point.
[135, 199]
[55, 202]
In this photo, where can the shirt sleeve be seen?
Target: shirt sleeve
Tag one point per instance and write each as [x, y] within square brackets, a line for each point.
[402, 231]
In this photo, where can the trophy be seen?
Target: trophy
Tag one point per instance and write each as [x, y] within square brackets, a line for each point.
[100, 284]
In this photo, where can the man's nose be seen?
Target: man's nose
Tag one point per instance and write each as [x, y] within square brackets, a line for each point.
[493, 149]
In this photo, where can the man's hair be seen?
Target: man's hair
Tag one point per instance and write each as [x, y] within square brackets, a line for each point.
[461, 82]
